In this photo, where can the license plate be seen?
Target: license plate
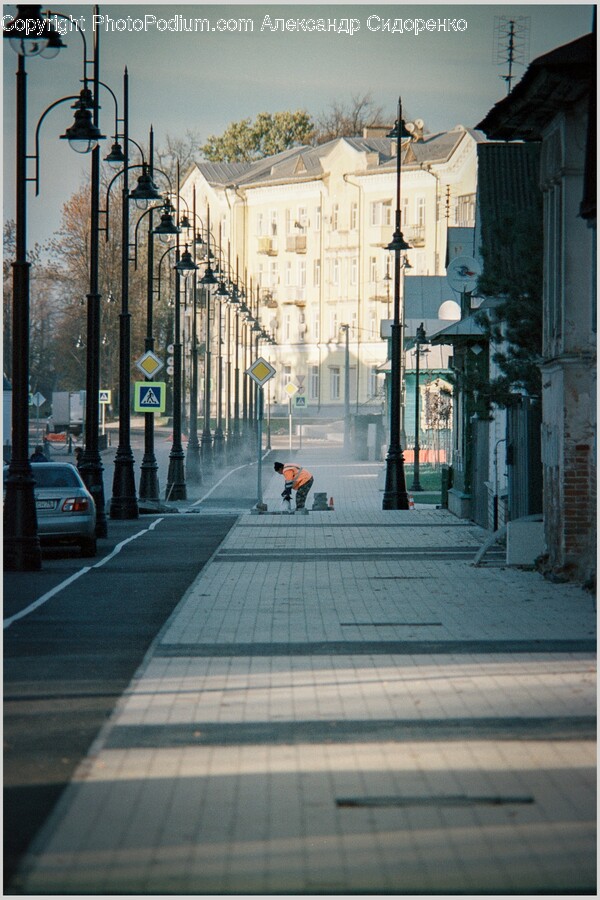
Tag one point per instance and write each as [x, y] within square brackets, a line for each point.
[45, 504]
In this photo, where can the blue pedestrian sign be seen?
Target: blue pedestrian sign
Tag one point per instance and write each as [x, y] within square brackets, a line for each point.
[150, 396]
[300, 402]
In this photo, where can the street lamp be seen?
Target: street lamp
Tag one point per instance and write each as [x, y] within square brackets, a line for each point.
[395, 495]
[420, 339]
[21, 541]
[208, 281]
[346, 330]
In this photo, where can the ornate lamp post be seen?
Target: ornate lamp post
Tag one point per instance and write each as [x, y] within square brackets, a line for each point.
[21, 542]
[420, 339]
[395, 496]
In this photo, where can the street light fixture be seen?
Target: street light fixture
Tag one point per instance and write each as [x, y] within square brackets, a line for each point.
[395, 495]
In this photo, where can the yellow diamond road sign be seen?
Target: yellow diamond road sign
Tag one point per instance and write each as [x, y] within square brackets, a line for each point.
[149, 364]
[260, 371]
[291, 389]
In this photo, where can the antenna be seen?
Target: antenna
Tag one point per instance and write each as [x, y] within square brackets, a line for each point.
[511, 44]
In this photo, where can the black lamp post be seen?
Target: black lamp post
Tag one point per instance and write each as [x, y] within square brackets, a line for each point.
[208, 281]
[395, 496]
[346, 330]
[176, 486]
[420, 339]
[21, 542]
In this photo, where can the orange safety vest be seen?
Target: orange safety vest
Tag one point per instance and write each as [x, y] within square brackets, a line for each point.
[295, 475]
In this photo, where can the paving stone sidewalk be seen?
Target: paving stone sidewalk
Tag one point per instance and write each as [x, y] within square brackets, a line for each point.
[343, 703]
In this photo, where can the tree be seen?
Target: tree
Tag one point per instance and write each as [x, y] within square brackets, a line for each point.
[269, 133]
[348, 119]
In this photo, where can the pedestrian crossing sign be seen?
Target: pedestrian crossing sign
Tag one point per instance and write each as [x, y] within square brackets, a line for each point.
[150, 396]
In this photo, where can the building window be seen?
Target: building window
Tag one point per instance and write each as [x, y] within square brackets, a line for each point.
[274, 274]
[334, 374]
[302, 273]
[373, 269]
[373, 381]
[333, 322]
[381, 212]
[313, 383]
[317, 273]
[273, 223]
[316, 323]
[287, 375]
[260, 224]
[373, 324]
[288, 222]
[354, 216]
[287, 327]
[288, 274]
[404, 210]
[354, 270]
[464, 212]
[302, 219]
[420, 211]
[335, 271]
[318, 219]
[335, 213]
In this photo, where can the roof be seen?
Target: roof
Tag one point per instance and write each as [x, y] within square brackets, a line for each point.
[301, 162]
[552, 82]
[464, 328]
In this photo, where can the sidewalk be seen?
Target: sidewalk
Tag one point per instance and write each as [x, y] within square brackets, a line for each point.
[343, 704]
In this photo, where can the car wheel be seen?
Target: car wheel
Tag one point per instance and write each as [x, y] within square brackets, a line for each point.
[88, 547]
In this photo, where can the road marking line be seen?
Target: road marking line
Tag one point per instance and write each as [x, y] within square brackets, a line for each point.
[59, 587]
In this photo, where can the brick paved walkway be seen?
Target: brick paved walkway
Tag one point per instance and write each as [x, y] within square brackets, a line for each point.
[342, 703]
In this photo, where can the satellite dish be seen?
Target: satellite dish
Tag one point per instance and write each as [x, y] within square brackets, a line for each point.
[462, 274]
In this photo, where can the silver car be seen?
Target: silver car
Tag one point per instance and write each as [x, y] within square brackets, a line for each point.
[66, 512]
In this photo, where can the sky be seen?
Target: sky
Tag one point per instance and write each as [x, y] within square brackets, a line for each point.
[201, 81]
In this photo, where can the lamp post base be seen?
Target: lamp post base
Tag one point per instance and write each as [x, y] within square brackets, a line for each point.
[394, 495]
[207, 452]
[194, 469]
[149, 487]
[176, 488]
[219, 446]
[123, 503]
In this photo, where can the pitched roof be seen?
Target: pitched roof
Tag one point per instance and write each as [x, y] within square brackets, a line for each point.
[552, 81]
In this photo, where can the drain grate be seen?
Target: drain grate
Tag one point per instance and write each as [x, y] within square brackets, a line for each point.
[441, 800]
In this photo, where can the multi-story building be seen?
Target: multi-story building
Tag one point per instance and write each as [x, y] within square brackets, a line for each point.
[309, 228]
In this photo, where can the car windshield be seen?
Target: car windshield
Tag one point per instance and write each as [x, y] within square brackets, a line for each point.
[49, 476]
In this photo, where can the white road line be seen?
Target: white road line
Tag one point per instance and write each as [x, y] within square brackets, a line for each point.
[59, 587]
[215, 486]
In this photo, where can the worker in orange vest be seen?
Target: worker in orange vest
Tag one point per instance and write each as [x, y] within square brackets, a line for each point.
[296, 479]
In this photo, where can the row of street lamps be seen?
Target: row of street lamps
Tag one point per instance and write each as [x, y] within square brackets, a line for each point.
[31, 33]
[21, 542]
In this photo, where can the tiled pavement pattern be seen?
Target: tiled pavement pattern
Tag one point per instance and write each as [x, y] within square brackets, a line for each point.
[342, 703]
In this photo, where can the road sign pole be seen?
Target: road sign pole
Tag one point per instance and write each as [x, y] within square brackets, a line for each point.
[259, 418]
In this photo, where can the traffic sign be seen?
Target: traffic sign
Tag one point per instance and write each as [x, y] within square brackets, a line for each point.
[104, 396]
[260, 371]
[150, 396]
[300, 402]
[38, 399]
[149, 363]
[290, 389]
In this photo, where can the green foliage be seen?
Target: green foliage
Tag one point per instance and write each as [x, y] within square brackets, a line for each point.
[513, 274]
[268, 134]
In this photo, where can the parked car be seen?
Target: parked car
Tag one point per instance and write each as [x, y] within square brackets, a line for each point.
[66, 512]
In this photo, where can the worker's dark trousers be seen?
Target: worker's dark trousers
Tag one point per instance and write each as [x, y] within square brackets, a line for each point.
[302, 493]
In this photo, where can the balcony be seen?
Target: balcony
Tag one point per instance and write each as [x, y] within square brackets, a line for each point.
[342, 240]
[295, 243]
[267, 246]
[415, 235]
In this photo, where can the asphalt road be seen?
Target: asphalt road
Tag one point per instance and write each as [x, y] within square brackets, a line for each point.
[68, 661]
